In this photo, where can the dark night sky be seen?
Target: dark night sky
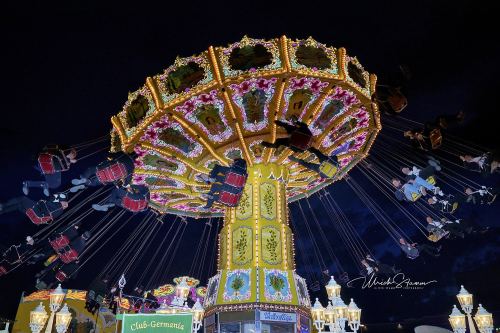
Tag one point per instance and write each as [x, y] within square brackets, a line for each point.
[67, 69]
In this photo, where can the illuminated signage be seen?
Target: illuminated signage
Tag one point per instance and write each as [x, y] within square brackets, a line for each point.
[283, 317]
[156, 323]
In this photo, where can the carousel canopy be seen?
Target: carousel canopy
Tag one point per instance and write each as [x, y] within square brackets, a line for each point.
[221, 104]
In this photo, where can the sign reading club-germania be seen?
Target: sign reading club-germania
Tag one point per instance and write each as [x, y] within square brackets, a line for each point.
[156, 323]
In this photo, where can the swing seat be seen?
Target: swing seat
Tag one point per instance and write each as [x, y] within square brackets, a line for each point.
[415, 196]
[59, 243]
[51, 259]
[300, 140]
[32, 215]
[328, 169]
[344, 277]
[436, 138]
[397, 100]
[134, 205]
[61, 276]
[436, 236]
[51, 163]
[234, 179]
[111, 173]
[69, 256]
[229, 199]
[454, 207]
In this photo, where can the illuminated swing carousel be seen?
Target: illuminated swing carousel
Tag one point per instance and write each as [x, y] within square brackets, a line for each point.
[221, 105]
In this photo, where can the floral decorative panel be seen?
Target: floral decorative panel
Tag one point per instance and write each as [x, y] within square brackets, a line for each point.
[242, 245]
[271, 245]
[238, 285]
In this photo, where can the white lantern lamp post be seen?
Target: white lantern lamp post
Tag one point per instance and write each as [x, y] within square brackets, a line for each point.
[353, 316]
[182, 289]
[340, 313]
[198, 312]
[330, 318]
[318, 314]
[336, 313]
[181, 293]
[63, 319]
[332, 289]
[465, 300]
[457, 320]
[38, 318]
[55, 298]
[484, 320]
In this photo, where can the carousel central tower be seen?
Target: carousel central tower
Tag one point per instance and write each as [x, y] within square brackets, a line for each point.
[256, 281]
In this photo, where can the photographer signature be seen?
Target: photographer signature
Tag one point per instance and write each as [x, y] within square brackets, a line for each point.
[398, 281]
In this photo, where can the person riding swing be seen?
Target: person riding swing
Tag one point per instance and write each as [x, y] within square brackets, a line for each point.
[52, 161]
[299, 136]
[227, 183]
[39, 212]
[134, 198]
[111, 171]
[328, 165]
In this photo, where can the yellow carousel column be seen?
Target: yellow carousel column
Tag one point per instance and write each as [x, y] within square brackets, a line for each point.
[256, 277]
[256, 231]
[256, 263]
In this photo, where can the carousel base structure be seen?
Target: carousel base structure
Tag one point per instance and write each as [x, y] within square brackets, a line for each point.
[251, 321]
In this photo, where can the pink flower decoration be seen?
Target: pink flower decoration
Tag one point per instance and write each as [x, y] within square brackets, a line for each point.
[339, 93]
[241, 88]
[360, 138]
[298, 83]
[263, 84]
[140, 152]
[317, 85]
[151, 134]
[156, 196]
[188, 106]
[161, 124]
[139, 179]
[350, 100]
[363, 123]
[206, 98]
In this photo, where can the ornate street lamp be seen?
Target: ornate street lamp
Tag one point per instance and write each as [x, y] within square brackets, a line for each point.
[182, 289]
[465, 300]
[354, 316]
[198, 311]
[457, 320]
[38, 317]
[55, 298]
[340, 313]
[484, 320]
[63, 318]
[332, 289]
[318, 315]
[336, 313]
[330, 318]
[181, 293]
